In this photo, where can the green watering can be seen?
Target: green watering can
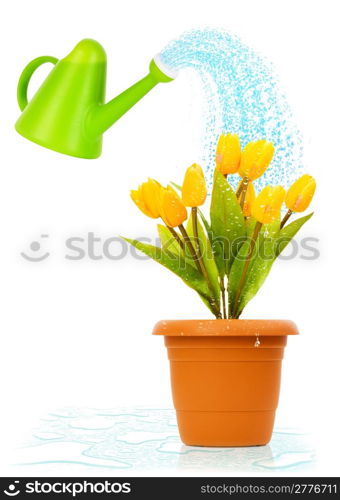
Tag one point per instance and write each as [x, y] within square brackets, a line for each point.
[68, 113]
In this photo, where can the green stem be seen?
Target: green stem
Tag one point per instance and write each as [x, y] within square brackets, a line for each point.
[201, 267]
[285, 218]
[188, 243]
[177, 238]
[195, 230]
[240, 188]
[201, 260]
[199, 249]
[222, 287]
[243, 193]
[246, 266]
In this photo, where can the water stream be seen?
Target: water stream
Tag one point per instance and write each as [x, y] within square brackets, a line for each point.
[243, 95]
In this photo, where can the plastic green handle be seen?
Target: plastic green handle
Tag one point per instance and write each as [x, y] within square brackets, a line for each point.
[26, 76]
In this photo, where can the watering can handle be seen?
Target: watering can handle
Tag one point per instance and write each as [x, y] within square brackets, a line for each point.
[26, 76]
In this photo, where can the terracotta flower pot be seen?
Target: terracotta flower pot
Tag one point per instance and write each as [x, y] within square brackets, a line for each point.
[225, 377]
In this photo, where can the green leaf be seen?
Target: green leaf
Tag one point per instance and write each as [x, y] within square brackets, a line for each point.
[177, 186]
[227, 224]
[207, 303]
[168, 241]
[260, 264]
[207, 257]
[206, 225]
[258, 272]
[205, 221]
[270, 244]
[287, 233]
[236, 270]
[250, 226]
[178, 265]
[170, 244]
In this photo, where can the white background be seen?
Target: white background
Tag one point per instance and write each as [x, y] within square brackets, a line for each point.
[79, 333]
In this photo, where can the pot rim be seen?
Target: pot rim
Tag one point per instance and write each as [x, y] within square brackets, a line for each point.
[225, 328]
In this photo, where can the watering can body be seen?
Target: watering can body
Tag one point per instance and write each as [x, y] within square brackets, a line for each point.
[68, 113]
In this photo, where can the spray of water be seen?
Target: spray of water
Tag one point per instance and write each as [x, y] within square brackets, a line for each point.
[242, 96]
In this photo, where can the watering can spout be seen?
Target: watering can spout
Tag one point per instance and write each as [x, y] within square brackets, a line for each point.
[68, 113]
[103, 116]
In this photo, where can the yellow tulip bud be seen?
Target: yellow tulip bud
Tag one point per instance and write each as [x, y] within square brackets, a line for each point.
[146, 197]
[228, 153]
[255, 159]
[300, 193]
[194, 189]
[249, 198]
[267, 206]
[172, 209]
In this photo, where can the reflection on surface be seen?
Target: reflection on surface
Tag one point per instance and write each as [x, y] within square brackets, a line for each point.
[127, 440]
[222, 458]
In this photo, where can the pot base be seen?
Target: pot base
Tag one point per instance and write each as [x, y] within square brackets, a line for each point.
[225, 428]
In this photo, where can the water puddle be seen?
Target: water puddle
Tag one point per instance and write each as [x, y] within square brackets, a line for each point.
[286, 460]
[146, 440]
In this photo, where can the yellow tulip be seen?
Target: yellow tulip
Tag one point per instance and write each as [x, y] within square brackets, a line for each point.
[249, 198]
[171, 207]
[228, 154]
[194, 189]
[300, 193]
[255, 159]
[267, 206]
[146, 197]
